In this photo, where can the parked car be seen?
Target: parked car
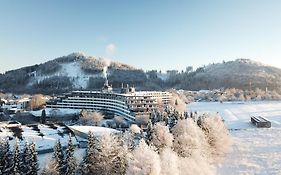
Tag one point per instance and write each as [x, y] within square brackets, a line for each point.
[13, 124]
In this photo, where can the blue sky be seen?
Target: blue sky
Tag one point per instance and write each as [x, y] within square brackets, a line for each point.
[152, 34]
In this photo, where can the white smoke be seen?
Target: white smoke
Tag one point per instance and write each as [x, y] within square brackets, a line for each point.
[106, 62]
[110, 50]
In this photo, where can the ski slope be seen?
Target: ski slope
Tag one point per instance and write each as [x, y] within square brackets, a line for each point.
[255, 150]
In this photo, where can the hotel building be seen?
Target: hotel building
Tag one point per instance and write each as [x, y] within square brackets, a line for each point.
[128, 103]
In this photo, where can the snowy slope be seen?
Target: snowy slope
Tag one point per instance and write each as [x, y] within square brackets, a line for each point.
[71, 70]
[44, 142]
[76, 68]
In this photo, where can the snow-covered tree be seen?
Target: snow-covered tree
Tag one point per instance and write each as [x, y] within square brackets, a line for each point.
[71, 164]
[119, 121]
[6, 159]
[58, 158]
[2, 143]
[26, 158]
[129, 140]
[189, 139]
[90, 118]
[87, 166]
[217, 135]
[169, 162]
[135, 129]
[195, 165]
[50, 169]
[161, 136]
[144, 161]
[177, 102]
[142, 120]
[16, 159]
[34, 166]
[111, 156]
[131, 136]
[149, 132]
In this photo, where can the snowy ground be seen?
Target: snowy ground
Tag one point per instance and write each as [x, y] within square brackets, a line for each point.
[254, 150]
[44, 136]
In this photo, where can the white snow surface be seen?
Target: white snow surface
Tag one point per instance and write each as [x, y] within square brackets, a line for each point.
[255, 150]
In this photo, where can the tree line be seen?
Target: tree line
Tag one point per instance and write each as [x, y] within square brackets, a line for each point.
[172, 143]
[18, 161]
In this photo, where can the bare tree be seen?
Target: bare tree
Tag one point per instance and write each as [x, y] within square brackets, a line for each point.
[90, 118]
[37, 102]
[119, 121]
[142, 120]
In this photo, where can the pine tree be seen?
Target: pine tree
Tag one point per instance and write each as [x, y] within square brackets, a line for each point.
[16, 159]
[2, 143]
[70, 159]
[34, 167]
[7, 159]
[128, 140]
[149, 133]
[87, 162]
[59, 161]
[26, 159]
[43, 116]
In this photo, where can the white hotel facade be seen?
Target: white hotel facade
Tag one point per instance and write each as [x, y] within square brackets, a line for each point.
[127, 104]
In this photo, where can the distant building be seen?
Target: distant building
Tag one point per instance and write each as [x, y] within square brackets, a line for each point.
[172, 72]
[14, 106]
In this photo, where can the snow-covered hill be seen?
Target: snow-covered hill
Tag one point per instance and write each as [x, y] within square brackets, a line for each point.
[241, 74]
[78, 67]
[78, 71]
[74, 71]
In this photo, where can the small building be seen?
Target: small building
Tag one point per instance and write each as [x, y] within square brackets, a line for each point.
[260, 122]
[16, 105]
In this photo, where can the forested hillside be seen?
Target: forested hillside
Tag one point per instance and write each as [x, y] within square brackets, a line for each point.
[78, 71]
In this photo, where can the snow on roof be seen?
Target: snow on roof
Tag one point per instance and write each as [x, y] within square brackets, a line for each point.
[4, 100]
[146, 93]
[59, 112]
[24, 100]
[95, 129]
[204, 91]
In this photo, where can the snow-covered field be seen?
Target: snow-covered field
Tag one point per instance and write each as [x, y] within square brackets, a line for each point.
[254, 150]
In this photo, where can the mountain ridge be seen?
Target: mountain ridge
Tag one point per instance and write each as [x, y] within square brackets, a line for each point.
[78, 71]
